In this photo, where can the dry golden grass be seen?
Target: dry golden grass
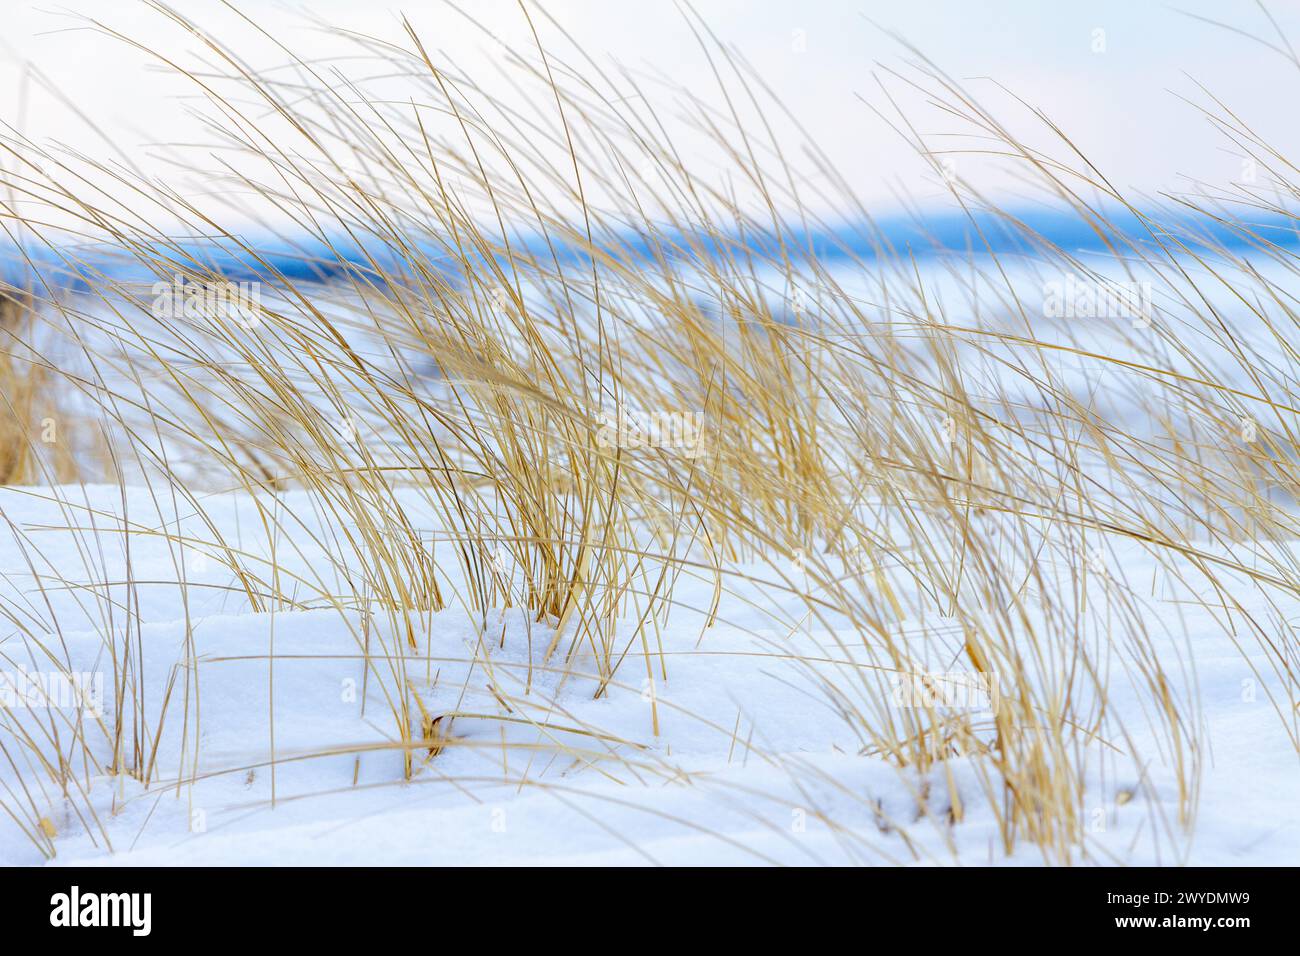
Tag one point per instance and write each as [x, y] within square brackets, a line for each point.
[25, 387]
[899, 497]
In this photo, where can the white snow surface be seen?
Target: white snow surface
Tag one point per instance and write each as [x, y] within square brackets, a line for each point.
[752, 764]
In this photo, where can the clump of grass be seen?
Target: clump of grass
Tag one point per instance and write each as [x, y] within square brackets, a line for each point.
[25, 391]
[440, 405]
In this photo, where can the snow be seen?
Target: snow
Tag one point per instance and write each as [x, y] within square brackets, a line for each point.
[751, 764]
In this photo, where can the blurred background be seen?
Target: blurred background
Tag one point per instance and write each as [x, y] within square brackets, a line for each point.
[1124, 80]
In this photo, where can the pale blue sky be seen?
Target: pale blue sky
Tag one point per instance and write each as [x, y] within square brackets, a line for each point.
[1119, 105]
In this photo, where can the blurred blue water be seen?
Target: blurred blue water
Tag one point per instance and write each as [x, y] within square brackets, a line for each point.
[268, 258]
